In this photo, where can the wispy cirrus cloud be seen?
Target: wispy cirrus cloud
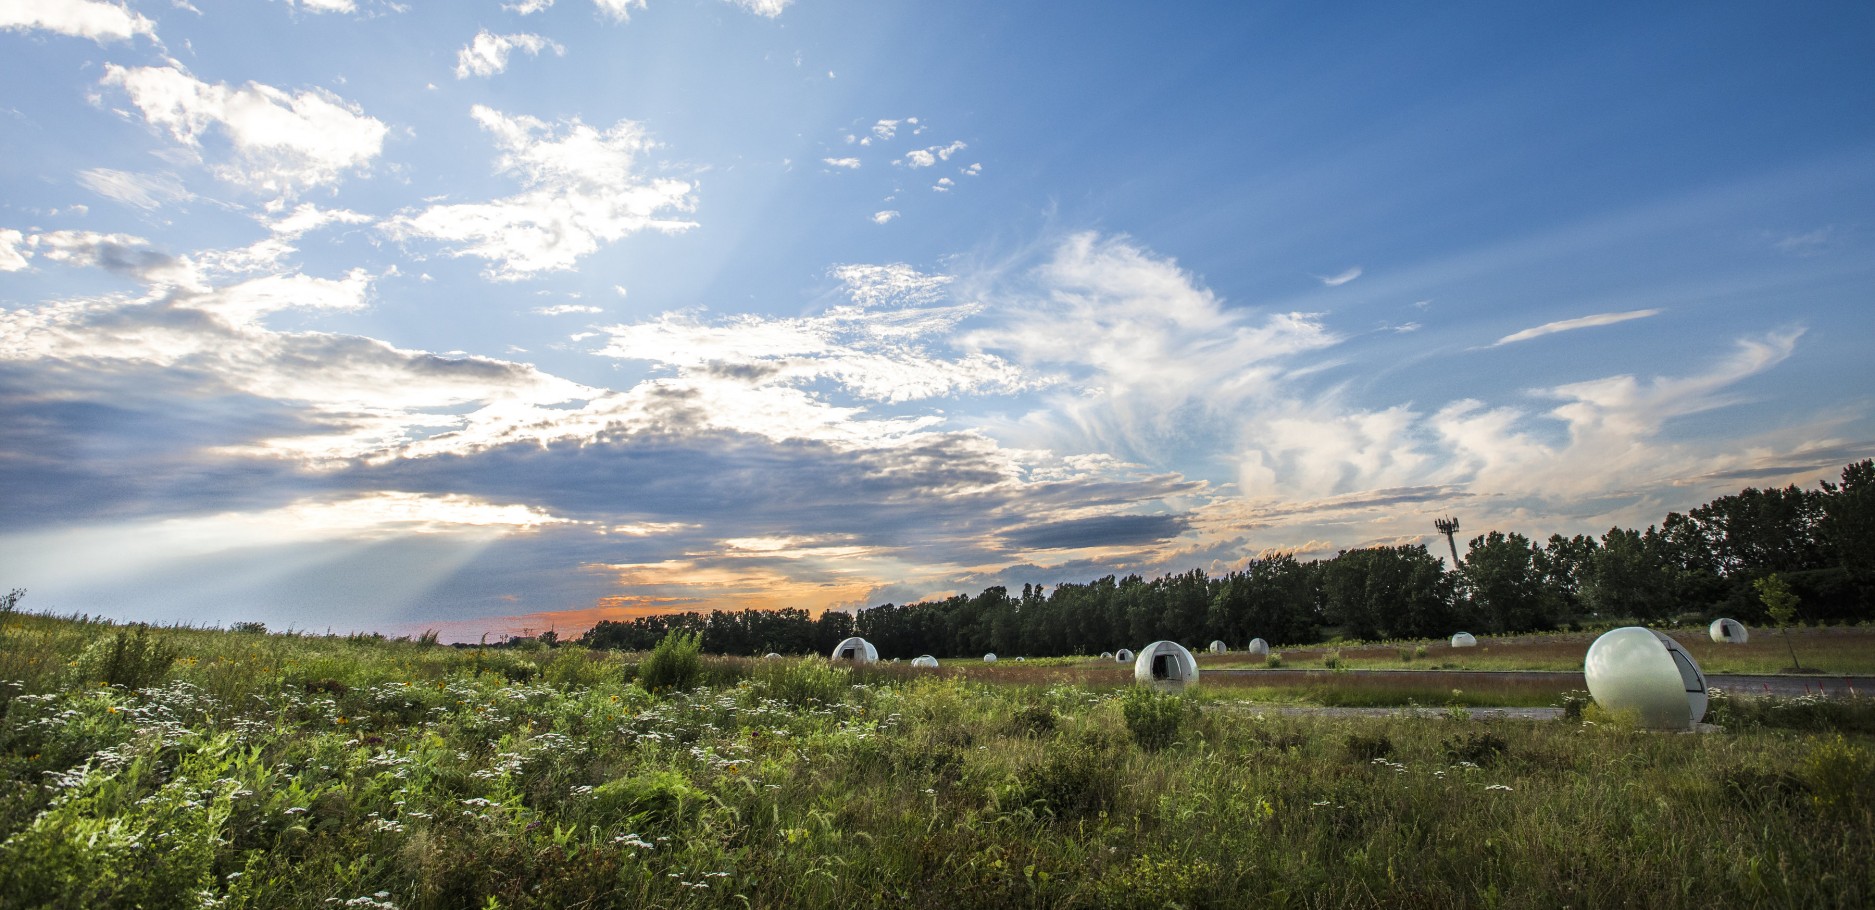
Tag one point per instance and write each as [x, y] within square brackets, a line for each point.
[99, 21]
[851, 164]
[145, 191]
[487, 53]
[583, 188]
[282, 141]
[1570, 325]
[1335, 281]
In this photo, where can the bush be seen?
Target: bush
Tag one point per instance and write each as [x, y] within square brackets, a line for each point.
[654, 801]
[803, 682]
[129, 658]
[1154, 718]
[1075, 780]
[1033, 721]
[674, 665]
[1840, 774]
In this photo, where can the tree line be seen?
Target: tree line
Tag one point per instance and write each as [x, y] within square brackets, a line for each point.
[1820, 542]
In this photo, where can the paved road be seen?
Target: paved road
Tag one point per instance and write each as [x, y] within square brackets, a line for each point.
[1785, 686]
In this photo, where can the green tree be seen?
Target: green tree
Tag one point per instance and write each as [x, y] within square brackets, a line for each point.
[1781, 605]
[1626, 576]
[1505, 582]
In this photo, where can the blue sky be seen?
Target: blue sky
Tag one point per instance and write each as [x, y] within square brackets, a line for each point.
[495, 317]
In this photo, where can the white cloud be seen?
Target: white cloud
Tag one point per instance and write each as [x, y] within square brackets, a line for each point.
[98, 21]
[1335, 281]
[582, 190]
[850, 163]
[884, 217]
[769, 8]
[1580, 322]
[885, 129]
[892, 344]
[488, 53]
[248, 301]
[13, 254]
[618, 10]
[566, 309]
[927, 157]
[326, 6]
[944, 184]
[281, 141]
[528, 7]
[307, 217]
[1808, 243]
[145, 191]
[895, 284]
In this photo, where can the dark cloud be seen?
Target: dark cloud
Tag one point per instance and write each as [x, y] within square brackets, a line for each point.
[74, 452]
[1098, 531]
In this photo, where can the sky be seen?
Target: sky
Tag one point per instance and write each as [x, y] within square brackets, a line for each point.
[494, 318]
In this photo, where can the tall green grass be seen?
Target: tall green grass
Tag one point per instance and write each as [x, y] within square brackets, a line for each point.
[304, 772]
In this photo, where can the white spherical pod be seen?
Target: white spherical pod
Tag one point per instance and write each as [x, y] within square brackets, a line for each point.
[1728, 631]
[857, 650]
[1166, 664]
[1464, 640]
[1123, 656]
[771, 656]
[1106, 655]
[1218, 647]
[1258, 648]
[989, 658]
[1638, 669]
[924, 661]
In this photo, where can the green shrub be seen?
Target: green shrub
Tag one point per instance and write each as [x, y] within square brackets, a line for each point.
[1572, 704]
[654, 801]
[1154, 718]
[1033, 721]
[1074, 780]
[804, 682]
[1274, 661]
[1149, 882]
[674, 665]
[128, 658]
[1839, 774]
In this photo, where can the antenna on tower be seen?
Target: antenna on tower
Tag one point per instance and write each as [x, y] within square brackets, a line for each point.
[1449, 527]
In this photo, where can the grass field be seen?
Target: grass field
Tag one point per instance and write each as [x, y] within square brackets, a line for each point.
[244, 770]
[1839, 650]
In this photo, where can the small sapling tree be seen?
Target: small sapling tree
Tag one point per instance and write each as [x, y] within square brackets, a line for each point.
[1781, 605]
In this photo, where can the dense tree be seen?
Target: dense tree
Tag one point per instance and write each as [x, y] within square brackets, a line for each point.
[1627, 576]
[1821, 543]
[1504, 581]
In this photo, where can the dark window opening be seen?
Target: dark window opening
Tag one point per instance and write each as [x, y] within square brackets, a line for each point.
[846, 654]
[1162, 666]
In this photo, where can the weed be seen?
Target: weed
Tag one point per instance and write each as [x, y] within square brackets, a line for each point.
[1482, 748]
[1154, 718]
[130, 658]
[1365, 748]
[674, 665]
